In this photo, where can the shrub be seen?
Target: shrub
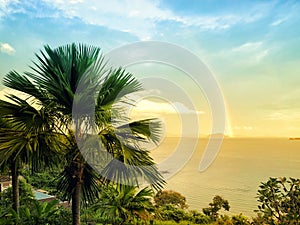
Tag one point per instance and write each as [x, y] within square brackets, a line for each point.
[280, 201]
[199, 218]
[240, 220]
[170, 212]
[167, 197]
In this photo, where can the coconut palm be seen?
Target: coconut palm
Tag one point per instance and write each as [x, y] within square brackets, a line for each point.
[26, 137]
[124, 204]
[70, 82]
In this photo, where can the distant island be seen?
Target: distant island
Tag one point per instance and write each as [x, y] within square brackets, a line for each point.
[294, 138]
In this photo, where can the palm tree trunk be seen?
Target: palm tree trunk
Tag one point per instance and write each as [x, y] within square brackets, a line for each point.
[15, 185]
[76, 197]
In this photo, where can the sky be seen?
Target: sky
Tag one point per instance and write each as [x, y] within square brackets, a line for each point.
[252, 48]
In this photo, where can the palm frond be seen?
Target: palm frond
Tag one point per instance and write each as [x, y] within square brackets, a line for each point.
[127, 164]
[141, 130]
[28, 134]
[21, 83]
[117, 84]
[67, 182]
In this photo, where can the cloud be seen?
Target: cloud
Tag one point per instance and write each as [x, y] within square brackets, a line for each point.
[140, 17]
[248, 53]
[277, 116]
[5, 6]
[7, 48]
[255, 50]
[279, 21]
[286, 116]
[248, 47]
[147, 106]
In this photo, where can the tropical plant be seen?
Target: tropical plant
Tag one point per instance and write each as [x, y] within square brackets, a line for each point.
[124, 204]
[36, 213]
[26, 137]
[280, 201]
[30, 211]
[77, 93]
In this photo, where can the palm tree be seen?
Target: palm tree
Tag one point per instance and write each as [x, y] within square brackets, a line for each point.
[63, 80]
[118, 205]
[26, 137]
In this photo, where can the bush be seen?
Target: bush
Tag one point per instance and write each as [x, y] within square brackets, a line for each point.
[224, 220]
[280, 201]
[47, 213]
[170, 212]
[25, 192]
[240, 220]
[31, 211]
[170, 197]
[199, 218]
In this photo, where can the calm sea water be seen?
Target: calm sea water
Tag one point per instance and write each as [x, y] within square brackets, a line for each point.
[241, 165]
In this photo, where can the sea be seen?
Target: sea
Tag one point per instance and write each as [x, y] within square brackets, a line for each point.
[235, 174]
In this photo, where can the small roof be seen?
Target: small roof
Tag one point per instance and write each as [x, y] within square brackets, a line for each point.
[4, 178]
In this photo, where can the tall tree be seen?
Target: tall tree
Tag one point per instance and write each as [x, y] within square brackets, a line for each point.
[26, 137]
[71, 82]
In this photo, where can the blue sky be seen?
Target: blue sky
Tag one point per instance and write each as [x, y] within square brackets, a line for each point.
[253, 47]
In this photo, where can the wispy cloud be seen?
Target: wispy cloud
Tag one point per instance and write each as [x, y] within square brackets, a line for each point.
[279, 21]
[248, 53]
[283, 115]
[5, 6]
[248, 47]
[147, 106]
[7, 48]
[140, 17]
[137, 17]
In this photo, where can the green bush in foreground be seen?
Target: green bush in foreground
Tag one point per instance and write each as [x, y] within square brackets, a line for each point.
[46, 213]
[280, 201]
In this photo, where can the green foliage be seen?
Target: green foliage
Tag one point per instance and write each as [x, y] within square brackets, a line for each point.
[214, 207]
[31, 211]
[46, 180]
[36, 213]
[280, 200]
[259, 220]
[234, 220]
[26, 195]
[199, 218]
[223, 220]
[67, 84]
[171, 222]
[124, 204]
[168, 197]
[171, 212]
[240, 220]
